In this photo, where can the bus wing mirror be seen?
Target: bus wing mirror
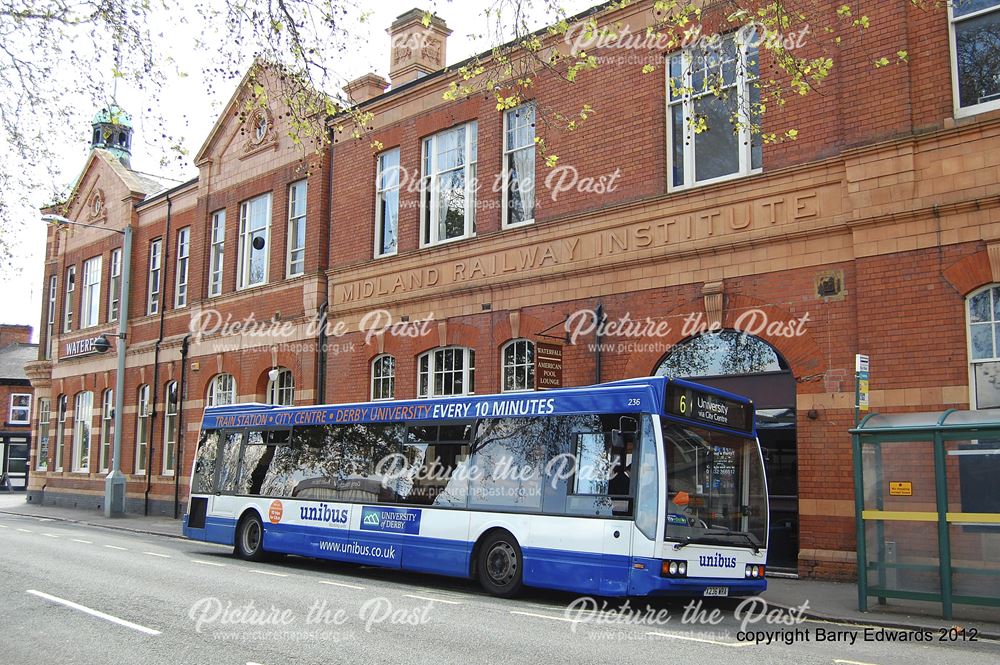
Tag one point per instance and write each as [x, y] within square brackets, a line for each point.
[618, 439]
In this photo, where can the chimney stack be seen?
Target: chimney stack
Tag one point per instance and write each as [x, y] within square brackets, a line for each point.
[416, 50]
[11, 334]
[365, 87]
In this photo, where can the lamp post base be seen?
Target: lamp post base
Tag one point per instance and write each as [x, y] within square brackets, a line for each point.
[114, 494]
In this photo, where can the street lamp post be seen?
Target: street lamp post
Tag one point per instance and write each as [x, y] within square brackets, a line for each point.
[114, 483]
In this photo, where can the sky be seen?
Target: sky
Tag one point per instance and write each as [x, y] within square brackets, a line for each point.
[190, 107]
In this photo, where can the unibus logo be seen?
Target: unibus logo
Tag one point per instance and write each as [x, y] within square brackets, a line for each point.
[717, 561]
[324, 513]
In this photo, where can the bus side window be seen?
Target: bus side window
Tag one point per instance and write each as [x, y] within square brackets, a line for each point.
[601, 482]
[509, 463]
[257, 456]
[229, 462]
[204, 463]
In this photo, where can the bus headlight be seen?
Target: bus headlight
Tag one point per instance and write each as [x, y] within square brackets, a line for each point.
[674, 568]
[754, 571]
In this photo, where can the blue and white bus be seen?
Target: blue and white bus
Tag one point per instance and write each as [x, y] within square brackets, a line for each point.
[650, 486]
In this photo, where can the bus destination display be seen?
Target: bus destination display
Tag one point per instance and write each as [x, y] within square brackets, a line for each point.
[709, 408]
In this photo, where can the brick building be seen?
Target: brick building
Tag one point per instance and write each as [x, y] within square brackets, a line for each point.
[876, 231]
[16, 350]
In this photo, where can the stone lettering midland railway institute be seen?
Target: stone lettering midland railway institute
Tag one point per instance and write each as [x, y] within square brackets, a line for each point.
[610, 243]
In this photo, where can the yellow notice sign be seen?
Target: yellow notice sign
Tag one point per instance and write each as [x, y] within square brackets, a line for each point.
[901, 488]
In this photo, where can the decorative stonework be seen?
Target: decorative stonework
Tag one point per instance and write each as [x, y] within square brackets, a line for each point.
[259, 129]
[712, 292]
[96, 205]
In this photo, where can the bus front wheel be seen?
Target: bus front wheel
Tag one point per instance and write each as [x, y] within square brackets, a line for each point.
[250, 538]
[501, 565]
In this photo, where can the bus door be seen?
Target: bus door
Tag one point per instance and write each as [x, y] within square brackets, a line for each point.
[224, 503]
[617, 542]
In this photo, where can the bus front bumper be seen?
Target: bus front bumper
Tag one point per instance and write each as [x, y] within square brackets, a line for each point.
[647, 581]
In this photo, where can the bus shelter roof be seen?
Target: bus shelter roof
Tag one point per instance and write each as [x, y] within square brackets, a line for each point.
[951, 423]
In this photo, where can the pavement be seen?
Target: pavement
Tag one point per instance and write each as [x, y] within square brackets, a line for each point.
[814, 599]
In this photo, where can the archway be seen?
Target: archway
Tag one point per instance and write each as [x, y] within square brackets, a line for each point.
[749, 366]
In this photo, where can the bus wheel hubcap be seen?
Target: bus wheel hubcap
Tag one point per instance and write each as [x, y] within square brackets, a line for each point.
[501, 564]
[251, 537]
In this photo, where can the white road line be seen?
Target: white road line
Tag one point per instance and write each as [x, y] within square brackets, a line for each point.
[207, 563]
[349, 586]
[545, 616]
[24, 530]
[162, 556]
[4, 526]
[851, 662]
[92, 612]
[436, 600]
[115, 547]
[268, 572]
[701, 639]
[85, 542]
[50, 535]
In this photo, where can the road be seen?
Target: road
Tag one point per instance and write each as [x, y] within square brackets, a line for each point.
[79, 594]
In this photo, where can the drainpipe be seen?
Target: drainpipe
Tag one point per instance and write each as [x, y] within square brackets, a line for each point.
[599, 314]
[181, 391]
[150, 449]
[321, 355]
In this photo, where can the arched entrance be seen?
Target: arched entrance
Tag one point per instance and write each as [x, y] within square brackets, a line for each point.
[747, 365]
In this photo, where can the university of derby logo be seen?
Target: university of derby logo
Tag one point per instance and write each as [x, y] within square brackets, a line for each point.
[371, 518]
[275, 511]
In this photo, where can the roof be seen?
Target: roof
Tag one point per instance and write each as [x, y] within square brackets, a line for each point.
[113, 115]
[13, 358]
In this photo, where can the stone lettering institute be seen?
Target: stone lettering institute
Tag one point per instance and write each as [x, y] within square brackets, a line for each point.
[660, 233]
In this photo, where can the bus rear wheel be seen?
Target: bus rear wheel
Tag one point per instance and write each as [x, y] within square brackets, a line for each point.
[250, 539]
[500, 565]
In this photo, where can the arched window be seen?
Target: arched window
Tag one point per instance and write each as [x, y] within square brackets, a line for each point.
[170, 417]
[82, 415]
[107, 427]
[222, 390]
[983, 318]
[518, 361]
[448, 371]
[721, 353]
[142, 429]
[384, 377]
[281, 389]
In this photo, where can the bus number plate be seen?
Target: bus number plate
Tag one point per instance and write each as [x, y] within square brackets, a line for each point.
[717, 591]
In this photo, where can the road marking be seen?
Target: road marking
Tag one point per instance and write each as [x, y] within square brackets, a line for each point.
[349, 586]
[92, 612]
[85, 542]
[705, 640]
[115, 547]
[162, 556]
[268, 572]
[436, 600]
[851, 662]
[50, 535]
[25, 530]
[4, 526]
[207, 563]
[545, 616]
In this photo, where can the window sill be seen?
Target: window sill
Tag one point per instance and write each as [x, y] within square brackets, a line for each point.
[714, 181]
[449, 241]
[518, 225]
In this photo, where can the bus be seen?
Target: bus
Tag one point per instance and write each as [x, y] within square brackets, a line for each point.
[641, 487]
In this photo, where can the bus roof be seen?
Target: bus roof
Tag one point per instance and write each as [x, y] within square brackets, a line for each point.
[639, 395]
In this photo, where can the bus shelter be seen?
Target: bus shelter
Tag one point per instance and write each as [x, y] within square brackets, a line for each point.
[927, 507]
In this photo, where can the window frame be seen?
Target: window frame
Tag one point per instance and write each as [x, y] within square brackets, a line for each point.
[182, 267]
[276, 389]
[429, 187]
[383, 379]
[468, 371]
[216, 253]
[244, 253]
[380, 202]
[90, 293]
[505, 168]
[142, 422]
[212, 398]
[530, 366]
[44, 407]
[957, 108]
[687, 101]
[68, 301]
[10, 412]
[81, 461]
[107, 429]
[115, 285]
[293, 221]
[50, 325]
[62, 406]
[171, 417]
[154, 278]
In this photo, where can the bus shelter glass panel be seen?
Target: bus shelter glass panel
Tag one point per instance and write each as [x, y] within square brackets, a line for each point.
[973, 470]
[900, 514]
